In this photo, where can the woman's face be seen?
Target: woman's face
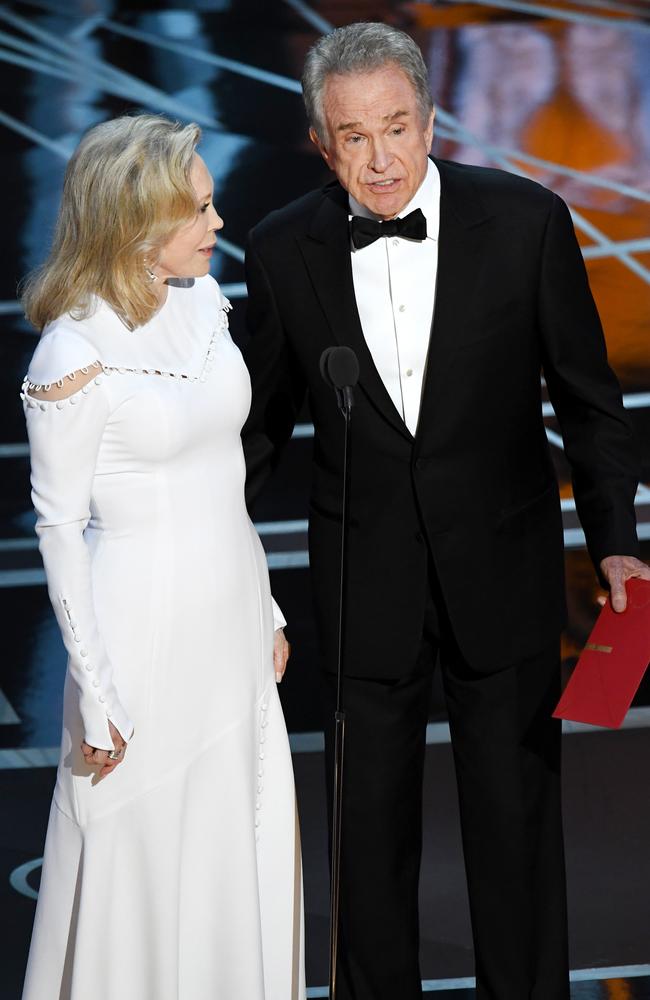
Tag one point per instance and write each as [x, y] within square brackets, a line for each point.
[188, 252]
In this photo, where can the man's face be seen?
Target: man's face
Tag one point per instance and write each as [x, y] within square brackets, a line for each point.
[376, 144]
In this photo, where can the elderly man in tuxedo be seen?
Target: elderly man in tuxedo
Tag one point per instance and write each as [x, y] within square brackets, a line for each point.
[457, 287]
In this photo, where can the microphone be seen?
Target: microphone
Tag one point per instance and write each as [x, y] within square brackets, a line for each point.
[340, 370]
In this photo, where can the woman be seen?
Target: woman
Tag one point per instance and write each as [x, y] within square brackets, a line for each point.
[172, 862]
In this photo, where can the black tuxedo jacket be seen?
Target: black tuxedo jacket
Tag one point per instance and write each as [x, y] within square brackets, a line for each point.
[475, 488]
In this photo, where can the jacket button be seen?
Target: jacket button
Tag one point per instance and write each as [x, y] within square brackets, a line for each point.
[418, 536]
[420, 463]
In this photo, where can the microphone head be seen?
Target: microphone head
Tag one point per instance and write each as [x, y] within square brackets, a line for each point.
[340, 367]
[323, 364]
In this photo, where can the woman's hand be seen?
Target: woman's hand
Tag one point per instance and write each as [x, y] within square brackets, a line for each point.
[100, 758]
[281, 653]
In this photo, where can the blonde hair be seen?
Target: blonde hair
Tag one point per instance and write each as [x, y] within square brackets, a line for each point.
[127, 190]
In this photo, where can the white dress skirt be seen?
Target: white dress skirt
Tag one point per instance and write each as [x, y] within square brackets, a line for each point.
[178, 876]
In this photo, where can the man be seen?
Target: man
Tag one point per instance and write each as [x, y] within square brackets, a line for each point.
[455, 546]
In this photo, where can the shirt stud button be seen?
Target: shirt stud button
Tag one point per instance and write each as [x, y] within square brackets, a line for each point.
[395, 243]
[402, 308]
[409, 372]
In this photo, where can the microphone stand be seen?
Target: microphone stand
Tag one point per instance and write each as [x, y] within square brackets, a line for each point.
[344, 399]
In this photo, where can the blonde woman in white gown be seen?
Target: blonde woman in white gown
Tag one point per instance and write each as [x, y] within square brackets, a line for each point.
[172, 863]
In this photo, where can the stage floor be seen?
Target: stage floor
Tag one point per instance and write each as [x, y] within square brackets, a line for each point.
[607, 822]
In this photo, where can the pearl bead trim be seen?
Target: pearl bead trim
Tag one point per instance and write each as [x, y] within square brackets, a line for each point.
[28, 386]
[263, 723]
[72, 400]
[74, 628]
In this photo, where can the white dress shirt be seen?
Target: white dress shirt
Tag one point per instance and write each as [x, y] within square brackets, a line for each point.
[394, 285]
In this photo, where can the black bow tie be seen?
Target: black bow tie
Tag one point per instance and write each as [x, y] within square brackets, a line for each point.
[364, 231]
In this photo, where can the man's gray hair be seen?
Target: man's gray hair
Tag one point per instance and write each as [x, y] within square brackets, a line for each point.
[361, 48]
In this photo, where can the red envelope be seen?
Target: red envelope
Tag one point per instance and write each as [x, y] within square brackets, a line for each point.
[612, 664]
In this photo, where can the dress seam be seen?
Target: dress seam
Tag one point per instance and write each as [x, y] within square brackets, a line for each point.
[97, 817]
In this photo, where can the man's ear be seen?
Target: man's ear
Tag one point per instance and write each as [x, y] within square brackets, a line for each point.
[428, 132]
[313, 135]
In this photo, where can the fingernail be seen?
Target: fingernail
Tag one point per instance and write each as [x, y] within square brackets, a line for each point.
[278, 678]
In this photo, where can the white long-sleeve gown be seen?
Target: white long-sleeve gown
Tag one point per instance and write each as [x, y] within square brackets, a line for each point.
[177, 877]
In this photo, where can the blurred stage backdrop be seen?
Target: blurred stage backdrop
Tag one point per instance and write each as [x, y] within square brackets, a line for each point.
[556, 91]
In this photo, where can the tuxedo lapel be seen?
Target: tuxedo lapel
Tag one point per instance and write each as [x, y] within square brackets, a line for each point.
[464, 230]
[326, 251]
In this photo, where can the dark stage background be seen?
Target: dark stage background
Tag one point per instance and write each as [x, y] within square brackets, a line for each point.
[557, 91]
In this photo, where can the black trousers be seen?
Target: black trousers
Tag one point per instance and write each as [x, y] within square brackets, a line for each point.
[507, 755]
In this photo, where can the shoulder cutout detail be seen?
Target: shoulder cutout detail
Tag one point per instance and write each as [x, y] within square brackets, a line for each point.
[65, 386]
[65, 391]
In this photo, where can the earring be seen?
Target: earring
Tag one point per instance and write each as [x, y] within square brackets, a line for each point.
[150, 274]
